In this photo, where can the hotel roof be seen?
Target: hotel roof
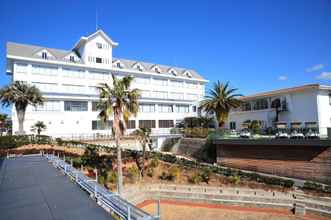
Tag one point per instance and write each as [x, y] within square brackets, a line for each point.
[30, 51]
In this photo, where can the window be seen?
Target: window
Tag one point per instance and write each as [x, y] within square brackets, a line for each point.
[165, 108]
[160, 82]
[177, 95]
[49, 106]
[145, 93]
[72, 59]
[44, 70]
[194, 108]
[74, 89]
[74, 73]
[102, 125]
[94, 106]
[142, 80]
[246, 106]
[146, 108]
[182, 108]
[99, 75]
[21, 68]
[146, 123]
[119, 65]
[191, 97]
[232, 125]
[99, 45]
[166, 123]
[44, 55]
[131, 124]
[98, 60]
[330, 98]
[75, 106]
[176, 83]
[260, 104]
[46, 87]
[191, 85]
[160, 95]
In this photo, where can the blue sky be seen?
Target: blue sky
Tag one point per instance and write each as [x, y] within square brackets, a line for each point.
[257, 45]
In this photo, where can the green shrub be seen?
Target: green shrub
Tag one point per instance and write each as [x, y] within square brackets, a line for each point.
[235, 179]
[111, 176]
[77, 162]
[195, 178]
[312, 186]
[164, 176]
[133, 173]
[13, 141]
[102, 179]
[59, 141]
[150, 172]
[205, 174]
[174, 173]
[154, 163]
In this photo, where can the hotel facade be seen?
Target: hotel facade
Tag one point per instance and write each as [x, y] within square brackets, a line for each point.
[68, 80]
[304, 105]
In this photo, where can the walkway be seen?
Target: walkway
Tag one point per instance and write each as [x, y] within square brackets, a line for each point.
[30, 188]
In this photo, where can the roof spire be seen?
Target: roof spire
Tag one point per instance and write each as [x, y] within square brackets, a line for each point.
[96, 19]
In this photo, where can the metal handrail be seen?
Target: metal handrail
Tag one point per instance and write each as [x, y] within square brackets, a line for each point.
[104, 197]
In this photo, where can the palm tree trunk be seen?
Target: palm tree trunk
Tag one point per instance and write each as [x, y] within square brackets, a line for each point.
[20, 117]
[119, 152]
[143, 163]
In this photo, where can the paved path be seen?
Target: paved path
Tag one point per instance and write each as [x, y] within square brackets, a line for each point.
[30, 188]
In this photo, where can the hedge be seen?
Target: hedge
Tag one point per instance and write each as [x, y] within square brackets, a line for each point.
[13, 141]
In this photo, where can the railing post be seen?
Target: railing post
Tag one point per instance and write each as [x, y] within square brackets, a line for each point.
[96, 184]
[71, 163]
[129, 213]
[159, 209]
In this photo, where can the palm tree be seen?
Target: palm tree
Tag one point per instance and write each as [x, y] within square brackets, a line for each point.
[3, 118]
[143, 136]
[121, 102]
[21, 95]
[38, 127]
[220, 99]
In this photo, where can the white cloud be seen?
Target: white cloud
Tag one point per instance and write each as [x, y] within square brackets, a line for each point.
[315, 68]
[324, 75]
[282, 78]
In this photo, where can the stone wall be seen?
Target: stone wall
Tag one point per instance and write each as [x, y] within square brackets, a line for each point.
[303, 162]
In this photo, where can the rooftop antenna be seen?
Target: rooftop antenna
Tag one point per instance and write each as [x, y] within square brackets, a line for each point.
[96, 19]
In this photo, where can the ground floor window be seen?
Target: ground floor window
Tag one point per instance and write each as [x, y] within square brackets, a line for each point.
[166, 123]
[146, 123]
[233, 125]
[131, 124]
[101, 125]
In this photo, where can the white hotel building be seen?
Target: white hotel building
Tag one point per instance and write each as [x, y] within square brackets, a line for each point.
[68, 80]
[307, 104]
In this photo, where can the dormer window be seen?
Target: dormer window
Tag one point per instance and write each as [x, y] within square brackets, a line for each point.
[173, 72]
[118, 65]
[157, 69]
[188, 74]
[138, 66]
[99, 45]
[44, 55]
[72, 59]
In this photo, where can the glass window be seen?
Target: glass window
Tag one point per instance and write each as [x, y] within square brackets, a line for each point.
[177, 95]
[166, 123]
[44, 70]
[98, 60]
[75, 106]
[330, 98]
[99, 45]
[142, 80]
[182, 108]
[94, 106]
[146, 123]
[246, 106]
[145, 93]
[74, 73]
[44, 55]
[21, 68]
[160, 94]
[146, 108]
[46, 87]
[191, 97]
[233, 125]
[260, 104]
[131, 124]
[177, 84]
[72, 59]
[49, 106]
[165, 108]
[101, 125]
[160, 82]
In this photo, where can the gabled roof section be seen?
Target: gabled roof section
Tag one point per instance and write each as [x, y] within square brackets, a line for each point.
[82, 41]
[172, 71]
[155, 68]
[187, 73]
[139, 66]
[43, 50]
[118, 63]
[29, 51]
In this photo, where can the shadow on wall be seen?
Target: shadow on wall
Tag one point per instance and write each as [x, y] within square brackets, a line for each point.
[196, 148]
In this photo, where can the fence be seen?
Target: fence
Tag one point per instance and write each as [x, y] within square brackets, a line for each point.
[106, 199]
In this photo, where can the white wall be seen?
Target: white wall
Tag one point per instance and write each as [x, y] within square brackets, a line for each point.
[324, 111]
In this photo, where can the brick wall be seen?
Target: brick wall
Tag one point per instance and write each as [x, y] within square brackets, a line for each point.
[304, 162]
